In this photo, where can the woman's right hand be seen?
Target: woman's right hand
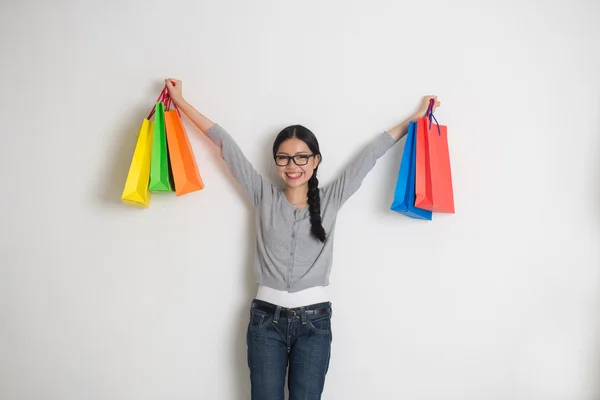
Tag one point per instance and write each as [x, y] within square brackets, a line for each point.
[175, 90]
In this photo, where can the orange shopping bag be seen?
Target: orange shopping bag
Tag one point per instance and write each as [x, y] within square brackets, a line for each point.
[186, 175]
[433, 181]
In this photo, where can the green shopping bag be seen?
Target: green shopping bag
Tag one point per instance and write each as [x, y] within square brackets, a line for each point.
[160, 168]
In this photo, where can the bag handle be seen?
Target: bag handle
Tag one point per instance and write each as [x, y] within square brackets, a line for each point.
[167, 101]
[165, 98]
[429, 114]
[161, 97]
[176, 108]
[171, 102]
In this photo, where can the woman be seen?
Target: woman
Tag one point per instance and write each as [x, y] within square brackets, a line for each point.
[290, 317]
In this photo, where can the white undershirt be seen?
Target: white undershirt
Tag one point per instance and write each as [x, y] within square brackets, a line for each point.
[301, 298]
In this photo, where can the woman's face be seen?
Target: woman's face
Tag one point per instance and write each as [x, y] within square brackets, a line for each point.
[292, 174]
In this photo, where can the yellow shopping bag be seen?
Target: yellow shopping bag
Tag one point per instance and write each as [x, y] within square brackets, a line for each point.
[136, 191]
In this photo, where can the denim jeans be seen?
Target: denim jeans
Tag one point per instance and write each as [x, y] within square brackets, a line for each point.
[276, 340]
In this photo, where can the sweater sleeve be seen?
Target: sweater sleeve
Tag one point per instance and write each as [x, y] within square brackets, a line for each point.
[253, 183]
[352, 177]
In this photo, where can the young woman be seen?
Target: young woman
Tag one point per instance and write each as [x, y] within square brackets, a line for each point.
[290, 318]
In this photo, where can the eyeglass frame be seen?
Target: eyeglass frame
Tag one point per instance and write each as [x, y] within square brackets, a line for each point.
[289, 158]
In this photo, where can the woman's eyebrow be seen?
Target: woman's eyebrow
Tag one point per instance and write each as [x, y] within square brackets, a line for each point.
[297, 154]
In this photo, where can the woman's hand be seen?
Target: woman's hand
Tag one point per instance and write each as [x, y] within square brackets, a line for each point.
[175, 91]
[401, 129]
[174, 87]
[425, 106]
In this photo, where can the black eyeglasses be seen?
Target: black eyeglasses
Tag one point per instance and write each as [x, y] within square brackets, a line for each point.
[299, 159]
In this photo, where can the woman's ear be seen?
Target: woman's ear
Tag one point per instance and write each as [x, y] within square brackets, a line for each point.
[317, 161]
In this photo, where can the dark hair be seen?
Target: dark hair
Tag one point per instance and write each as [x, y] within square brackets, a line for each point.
[314, 200]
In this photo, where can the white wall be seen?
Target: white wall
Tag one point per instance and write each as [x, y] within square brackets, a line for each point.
[500, 301]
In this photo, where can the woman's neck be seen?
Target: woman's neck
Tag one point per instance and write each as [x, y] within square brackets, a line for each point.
[298, 196]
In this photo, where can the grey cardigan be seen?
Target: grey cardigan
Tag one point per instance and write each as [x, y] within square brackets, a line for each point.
[287, 256]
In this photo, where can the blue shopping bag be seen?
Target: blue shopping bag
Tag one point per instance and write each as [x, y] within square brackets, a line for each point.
[404, 196]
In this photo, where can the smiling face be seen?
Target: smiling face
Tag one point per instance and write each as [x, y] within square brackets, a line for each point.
[292, 174]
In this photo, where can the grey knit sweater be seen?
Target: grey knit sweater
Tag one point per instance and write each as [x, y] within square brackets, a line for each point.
[287, 256]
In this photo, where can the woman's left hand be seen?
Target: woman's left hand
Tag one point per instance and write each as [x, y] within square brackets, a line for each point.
[425, 105]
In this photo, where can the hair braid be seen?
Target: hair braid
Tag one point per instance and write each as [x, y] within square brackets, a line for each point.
[314, 206]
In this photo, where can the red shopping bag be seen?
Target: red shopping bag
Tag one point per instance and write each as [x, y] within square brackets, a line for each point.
[423, 196]
[433, 181]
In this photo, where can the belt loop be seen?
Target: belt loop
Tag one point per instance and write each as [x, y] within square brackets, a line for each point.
[303, 316]
[277, 314]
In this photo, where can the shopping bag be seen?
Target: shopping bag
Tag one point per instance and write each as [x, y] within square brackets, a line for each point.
[434, 190]
[423, 195]
[136, 191]
[186, 175]
[404, 195]
[160, 169]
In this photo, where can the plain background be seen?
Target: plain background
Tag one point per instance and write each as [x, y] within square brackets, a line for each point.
[102, 301]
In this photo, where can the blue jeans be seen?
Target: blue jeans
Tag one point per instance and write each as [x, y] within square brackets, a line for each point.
[299, 338]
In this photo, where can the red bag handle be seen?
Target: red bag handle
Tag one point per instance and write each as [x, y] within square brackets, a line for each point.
[175, 105]
[165, 98]
[176, 108]
[171, 102]
[165, 92]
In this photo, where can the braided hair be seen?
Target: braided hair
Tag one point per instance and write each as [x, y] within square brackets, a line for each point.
[314, 199]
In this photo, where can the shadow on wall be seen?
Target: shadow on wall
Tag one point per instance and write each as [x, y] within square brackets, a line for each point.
[119, 157]
[595, 367]
[268, 169]
[391, 176]
[266, 163]
[239, 324]
[595, 181]
[112, 181]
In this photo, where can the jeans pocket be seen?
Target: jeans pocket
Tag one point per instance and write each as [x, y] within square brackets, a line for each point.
[320, 325]
[259, 319]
